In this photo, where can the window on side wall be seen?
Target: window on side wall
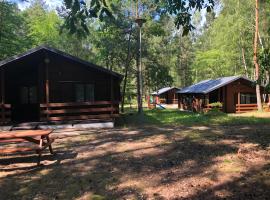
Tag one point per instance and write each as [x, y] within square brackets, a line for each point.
[28, 95]
[247, 98]
[89, 92]
[84, 92]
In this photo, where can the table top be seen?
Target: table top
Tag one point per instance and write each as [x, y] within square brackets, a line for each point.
[23, 133]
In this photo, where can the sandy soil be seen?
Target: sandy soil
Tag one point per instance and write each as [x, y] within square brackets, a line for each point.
[145, 163]
[254, 114]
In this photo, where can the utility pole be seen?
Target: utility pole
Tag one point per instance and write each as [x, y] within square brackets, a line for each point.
[140, 22]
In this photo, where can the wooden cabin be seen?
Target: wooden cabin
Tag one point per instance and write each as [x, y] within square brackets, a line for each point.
[166, 95]
[45, 84]
[236, 94]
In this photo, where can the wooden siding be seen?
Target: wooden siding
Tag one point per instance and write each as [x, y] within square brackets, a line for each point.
[232, 91]
[63, 74]
[79, 111]
[227, 95]
[169, 97]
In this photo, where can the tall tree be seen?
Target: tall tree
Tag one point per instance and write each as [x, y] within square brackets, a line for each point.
[255, 57]
[225, 47]
[13, 32]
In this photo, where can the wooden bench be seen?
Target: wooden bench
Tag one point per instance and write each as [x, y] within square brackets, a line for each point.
[40, 138]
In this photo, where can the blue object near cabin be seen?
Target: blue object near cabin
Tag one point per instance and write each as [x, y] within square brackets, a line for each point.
[161, 107]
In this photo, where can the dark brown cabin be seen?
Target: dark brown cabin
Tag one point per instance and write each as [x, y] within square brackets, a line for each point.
[235, 93]
[166, 95]
[45, 84]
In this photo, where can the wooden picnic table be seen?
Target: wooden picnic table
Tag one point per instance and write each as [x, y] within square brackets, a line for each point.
[40, 138]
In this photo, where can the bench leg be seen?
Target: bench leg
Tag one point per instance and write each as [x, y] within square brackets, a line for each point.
[39, 157]
[50, 146]
[39, 152]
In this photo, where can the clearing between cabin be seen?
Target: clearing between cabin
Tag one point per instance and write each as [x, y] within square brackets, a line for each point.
[149, 162]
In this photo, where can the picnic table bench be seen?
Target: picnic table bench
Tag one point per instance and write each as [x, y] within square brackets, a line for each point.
[40, 138]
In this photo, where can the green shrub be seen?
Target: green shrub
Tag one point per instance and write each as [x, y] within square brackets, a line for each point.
[216, 105]
[215, 111]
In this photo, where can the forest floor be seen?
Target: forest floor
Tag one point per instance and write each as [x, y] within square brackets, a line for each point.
[184, 118]
[146, 162]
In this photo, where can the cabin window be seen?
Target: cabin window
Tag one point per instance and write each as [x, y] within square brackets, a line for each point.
[84, 92]
[28, 95]
[89, 92]
[246, 98]
[79, 88]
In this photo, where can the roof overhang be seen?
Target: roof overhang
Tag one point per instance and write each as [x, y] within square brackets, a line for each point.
[61, 53]
[163, 90]
[216, 87]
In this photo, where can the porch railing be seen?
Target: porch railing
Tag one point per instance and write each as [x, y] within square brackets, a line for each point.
[169, 101]
[5, 113]
[240, 108]
[79, 111]
[173, 101]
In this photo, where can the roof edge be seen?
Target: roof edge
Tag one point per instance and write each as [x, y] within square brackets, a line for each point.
[169, 88]
[62, 53]
[214, 88]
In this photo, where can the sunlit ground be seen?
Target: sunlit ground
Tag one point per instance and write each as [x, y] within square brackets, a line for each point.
[254, 114]
[146, 162]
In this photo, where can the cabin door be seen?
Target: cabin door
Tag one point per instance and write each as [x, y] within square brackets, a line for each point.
[26, 107]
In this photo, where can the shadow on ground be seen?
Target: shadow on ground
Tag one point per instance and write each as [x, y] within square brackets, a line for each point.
[144, 163]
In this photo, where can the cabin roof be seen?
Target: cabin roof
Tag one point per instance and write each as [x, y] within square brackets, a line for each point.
[207, 86]
[60, 53]
[163, 90]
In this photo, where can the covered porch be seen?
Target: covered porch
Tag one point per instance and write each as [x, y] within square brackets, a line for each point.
[46, 85]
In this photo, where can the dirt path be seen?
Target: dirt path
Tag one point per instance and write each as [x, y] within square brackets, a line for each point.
[145, 163]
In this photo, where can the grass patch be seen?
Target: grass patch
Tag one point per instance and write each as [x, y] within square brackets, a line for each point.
[177, 117]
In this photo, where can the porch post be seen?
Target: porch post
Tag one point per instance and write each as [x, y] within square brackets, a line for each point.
[2, 95]
[207, 99]
[224, 98]
[179, 101]
[238, 102]
[47, 89]
[112, 95]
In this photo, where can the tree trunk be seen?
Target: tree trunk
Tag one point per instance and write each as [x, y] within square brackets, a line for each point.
[255, 58]
[126, 72]
[244, 62]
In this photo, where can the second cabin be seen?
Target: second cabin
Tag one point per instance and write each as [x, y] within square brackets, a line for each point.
[165, 96]
[234, 94]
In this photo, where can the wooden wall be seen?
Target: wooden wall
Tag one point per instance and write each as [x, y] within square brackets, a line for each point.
[227, 94]
[170, 96]
[232, 91]
[63, 73]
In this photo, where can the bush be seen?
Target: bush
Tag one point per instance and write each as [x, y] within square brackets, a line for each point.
[215, 109]
[216, 105]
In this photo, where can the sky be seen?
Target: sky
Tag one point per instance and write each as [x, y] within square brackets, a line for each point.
[52, 4]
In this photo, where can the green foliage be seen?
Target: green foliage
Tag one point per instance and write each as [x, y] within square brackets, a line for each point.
[221, 45]
[214, 112]
[216, 105]
[176, 117]
[78, 11]
[182, 10]
[226, 41]
[12, 30]
[43, 25]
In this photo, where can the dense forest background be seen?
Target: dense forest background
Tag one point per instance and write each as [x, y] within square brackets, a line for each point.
[220, 45]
